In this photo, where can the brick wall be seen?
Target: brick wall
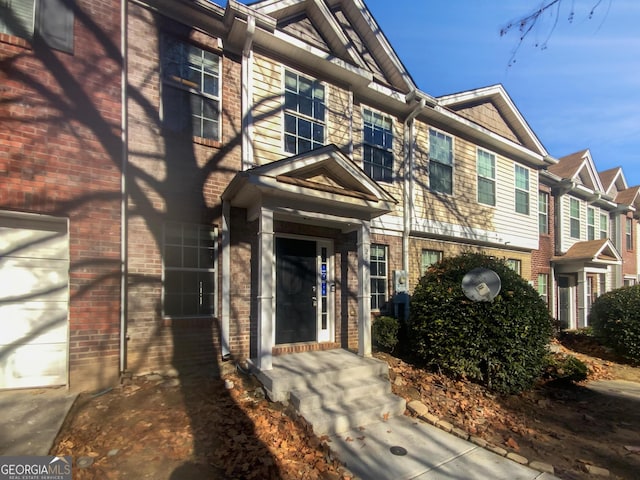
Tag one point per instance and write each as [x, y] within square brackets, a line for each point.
[629, 257]
[60, 154]
[172, 178]
[541, 258]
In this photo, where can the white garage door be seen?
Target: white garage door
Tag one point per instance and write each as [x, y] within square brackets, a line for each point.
[34, 301]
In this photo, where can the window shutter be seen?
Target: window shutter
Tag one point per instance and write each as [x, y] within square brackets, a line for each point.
[16, 17]
[55, 24]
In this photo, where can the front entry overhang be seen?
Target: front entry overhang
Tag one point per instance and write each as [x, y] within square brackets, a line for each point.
[320, 187]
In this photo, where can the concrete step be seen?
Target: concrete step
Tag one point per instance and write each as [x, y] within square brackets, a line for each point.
[339, 393]
[360, 412]
[300, 378]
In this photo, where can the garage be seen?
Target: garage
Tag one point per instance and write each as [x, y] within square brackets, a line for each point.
[34, 300]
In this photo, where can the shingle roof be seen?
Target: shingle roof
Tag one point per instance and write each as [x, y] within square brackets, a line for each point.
[568, 166]
[590, 250]
[628, 196]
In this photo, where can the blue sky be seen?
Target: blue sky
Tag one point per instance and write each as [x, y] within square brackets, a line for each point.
[581, 91]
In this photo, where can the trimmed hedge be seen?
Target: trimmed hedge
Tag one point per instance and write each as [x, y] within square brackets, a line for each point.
[615, 319]
[384, 332]
[501, 344]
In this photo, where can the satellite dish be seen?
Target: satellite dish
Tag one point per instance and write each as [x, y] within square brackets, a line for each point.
[481, 285]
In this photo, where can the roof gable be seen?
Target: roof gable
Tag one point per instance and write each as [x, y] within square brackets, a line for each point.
[341, 29]
[594, 251]
[613, 181]
[579, 167]
[324, 179]
[492, 108]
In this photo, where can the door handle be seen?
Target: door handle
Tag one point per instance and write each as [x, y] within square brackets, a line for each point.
[314, 300]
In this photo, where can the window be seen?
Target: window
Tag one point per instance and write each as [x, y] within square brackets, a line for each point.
[515, 265]
[48, 20]
[522, 190]
[377, 146]
[543, 286]
[486, 178]
[574, 216]
[591, 224]
[440, 162]
[191, 89]
[543, 213]
[378, 273]
[629, 233]
[430, 257]
[190, 253]
[604, 226]
[304, 111]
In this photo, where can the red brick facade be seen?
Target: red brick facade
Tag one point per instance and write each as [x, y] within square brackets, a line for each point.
[541, 258]
[174, 178]
[61, 155]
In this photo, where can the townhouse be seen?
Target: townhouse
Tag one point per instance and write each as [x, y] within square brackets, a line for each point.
[270, 179]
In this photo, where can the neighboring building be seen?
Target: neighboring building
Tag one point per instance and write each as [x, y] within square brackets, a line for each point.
[60, 195]
[586, 258]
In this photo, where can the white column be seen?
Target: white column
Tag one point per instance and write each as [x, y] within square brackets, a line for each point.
[364, 290]
[266, 320]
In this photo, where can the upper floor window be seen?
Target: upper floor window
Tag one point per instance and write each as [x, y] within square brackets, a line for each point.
[304, 113]
[190, 89]
[486, 178]
[378, 274]
[574, 218]
[440, 162]
[377, 146]
[430, 257]
[604, 226]
[189, 257]
[591, 223]
[48, 20]
[522, 190]
[543, 212]
[629, 233]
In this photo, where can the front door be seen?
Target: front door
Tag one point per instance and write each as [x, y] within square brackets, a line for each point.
[296, 296]
[566, 301]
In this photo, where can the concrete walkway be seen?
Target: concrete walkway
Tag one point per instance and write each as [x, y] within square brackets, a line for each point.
[404, 448]
[31, 419]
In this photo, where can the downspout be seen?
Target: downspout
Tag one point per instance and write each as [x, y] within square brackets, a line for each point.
[123, 190]
[247, 162]
[407, 193]
[247, 91]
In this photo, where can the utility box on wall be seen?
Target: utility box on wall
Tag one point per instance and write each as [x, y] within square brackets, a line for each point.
[400, 281]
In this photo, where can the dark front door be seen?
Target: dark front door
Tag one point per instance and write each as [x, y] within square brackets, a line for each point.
[296, 312]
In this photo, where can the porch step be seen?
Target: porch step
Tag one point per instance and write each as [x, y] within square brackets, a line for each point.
[360, 412]
[333, 390]
[341, 393]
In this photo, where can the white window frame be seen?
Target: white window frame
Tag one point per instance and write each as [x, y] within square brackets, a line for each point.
[543, 213]
[205, 299]
[436, 162]
[604, 222]
[378, 272]
[575, 223]
[515, 264]
[381, 127]
[521, 192]
[591, 223]
[628, 233]
[183, 79]
[425, 263]
[486, 175]
[543, 286]
[294, 98]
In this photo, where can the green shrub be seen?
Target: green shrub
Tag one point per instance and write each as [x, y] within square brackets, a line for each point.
[566, 368]
[384, 332]
[615, 319]
[501, 344]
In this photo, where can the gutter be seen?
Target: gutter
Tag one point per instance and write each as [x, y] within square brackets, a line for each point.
[123, 190]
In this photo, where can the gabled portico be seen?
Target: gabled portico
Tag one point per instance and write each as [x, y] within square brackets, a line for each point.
[320, 188]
